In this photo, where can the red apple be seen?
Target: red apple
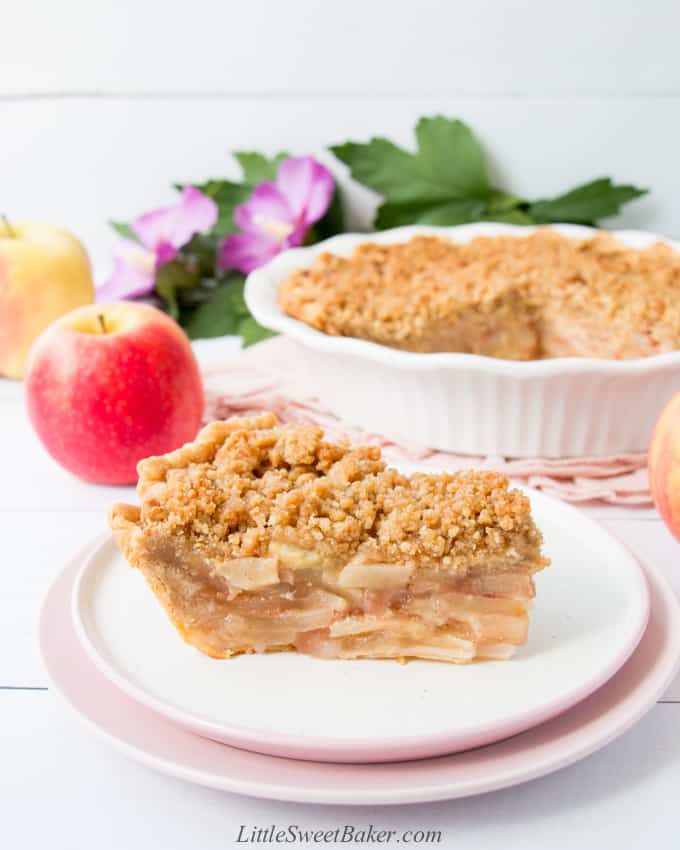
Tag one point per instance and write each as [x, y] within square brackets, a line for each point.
[110, 384]
[664, 465]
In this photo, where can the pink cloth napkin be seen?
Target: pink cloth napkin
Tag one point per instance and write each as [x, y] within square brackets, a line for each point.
[259, 381]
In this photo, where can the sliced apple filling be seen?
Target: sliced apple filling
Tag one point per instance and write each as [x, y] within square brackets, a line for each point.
[359, 610]
[257, 538]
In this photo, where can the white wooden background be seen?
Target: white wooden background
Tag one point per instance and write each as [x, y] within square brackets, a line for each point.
[102, 105]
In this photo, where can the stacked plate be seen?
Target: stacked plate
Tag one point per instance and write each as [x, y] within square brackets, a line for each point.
[604, 644]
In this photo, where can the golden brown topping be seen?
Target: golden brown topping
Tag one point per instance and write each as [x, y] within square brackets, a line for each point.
[247, 482]
[541, 295]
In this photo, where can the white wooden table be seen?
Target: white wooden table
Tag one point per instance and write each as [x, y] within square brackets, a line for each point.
[60, 787]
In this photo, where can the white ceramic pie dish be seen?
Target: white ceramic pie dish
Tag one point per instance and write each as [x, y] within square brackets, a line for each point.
[565, 407]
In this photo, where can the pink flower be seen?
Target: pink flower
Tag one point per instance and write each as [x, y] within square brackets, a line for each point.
[277, 215]
[133, 273]
[161, 233]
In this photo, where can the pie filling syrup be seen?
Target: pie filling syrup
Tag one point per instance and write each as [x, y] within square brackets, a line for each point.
[230, 537]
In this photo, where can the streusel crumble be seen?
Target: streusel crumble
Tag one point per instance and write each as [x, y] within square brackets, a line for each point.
[515, 297]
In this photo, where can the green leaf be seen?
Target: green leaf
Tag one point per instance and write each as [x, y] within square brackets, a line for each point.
[387, 169]
[225, 312]
[449, 165]
[515, 216]
[257, 167]
[453, 212]
[450, 154]
[585, 204]
[333, 221]
[221, 312]
[445, 182]
[227, 195]
[501, 202]
[189, 299]
[201, 252]
[251, 332]
[124, 230]
[171, 279]
[500, 207]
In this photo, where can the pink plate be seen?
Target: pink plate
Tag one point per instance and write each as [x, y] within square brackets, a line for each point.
[146, 737]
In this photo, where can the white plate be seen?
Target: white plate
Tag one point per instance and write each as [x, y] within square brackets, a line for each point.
[590, 612]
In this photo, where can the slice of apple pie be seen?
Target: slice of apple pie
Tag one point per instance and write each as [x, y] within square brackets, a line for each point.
[259, 537]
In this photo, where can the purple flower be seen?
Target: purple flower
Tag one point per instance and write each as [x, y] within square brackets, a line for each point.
[277, 215]
[161, 234]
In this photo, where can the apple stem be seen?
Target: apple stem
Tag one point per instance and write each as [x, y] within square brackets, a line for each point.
[8, 226]
[102, 323]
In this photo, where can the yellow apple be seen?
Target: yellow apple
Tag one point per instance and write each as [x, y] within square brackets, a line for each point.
[44, 273]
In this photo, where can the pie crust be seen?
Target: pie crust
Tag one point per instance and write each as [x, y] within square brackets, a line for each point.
[258, 537]
[516, 297]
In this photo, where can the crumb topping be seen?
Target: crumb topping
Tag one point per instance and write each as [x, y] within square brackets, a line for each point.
[526, 297]
[247, 482]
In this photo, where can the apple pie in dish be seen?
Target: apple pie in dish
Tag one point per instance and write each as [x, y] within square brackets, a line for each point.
[530, 297]
[263, 537]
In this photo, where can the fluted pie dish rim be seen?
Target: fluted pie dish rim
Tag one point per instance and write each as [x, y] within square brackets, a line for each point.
[262, 287]
[469, 403]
